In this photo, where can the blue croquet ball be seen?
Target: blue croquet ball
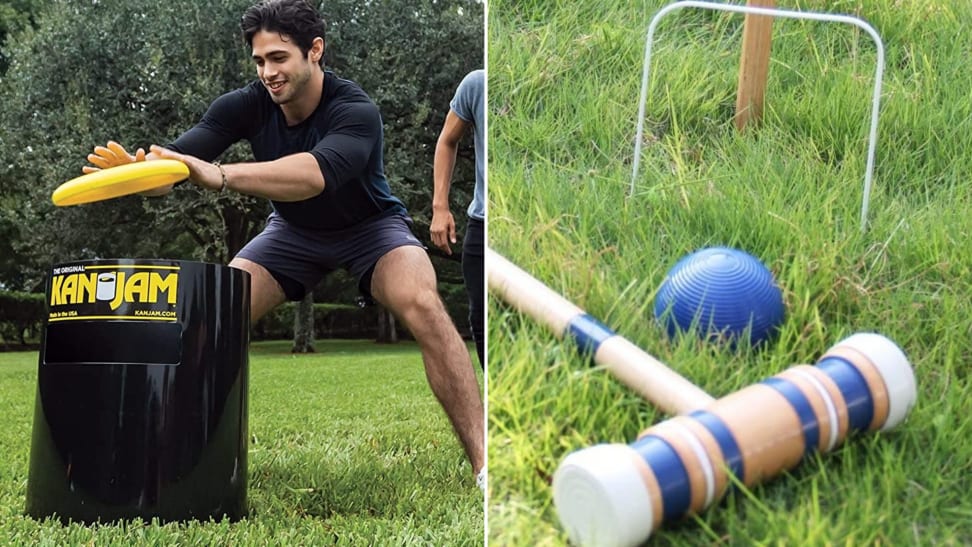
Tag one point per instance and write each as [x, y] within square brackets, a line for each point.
[720, 293]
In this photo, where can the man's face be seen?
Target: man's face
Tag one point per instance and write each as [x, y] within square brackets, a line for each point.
[281, 66]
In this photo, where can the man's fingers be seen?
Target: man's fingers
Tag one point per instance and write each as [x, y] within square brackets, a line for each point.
[119, 151]
[105, 153]
[438, 239]
[112, 155]
[100, 161]
[443, 230]
[165, 153]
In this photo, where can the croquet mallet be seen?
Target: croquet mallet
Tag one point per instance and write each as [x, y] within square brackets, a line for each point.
[618, 494]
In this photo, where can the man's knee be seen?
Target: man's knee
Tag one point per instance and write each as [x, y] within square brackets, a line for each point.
[423, 306]
[403, 279]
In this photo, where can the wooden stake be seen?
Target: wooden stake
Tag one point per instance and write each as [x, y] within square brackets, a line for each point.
[753, 65]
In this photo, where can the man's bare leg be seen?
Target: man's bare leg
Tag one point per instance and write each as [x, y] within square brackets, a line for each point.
[404, 282]
[265, 292]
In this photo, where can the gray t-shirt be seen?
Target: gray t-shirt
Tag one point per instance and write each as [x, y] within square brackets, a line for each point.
[469, 103]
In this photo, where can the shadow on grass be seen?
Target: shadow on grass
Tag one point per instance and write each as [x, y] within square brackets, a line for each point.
[384, 482]
[365, 489]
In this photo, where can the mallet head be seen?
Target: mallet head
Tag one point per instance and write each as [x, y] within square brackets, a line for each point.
[617, 494]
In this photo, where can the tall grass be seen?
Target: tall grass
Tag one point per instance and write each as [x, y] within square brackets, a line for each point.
[564, 80]
[347, 447]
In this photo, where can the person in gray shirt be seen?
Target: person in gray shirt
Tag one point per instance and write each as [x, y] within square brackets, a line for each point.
[467, 109]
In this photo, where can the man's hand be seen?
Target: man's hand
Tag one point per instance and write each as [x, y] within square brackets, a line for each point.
[114, 155]
[111, 156]
[443, 229]
[201, 173]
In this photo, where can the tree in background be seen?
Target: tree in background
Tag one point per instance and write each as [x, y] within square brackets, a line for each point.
[16, 15]
[304, 325]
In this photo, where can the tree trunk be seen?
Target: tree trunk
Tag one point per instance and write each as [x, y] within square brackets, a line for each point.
[386, 327]
[236, 230]
[304, 325]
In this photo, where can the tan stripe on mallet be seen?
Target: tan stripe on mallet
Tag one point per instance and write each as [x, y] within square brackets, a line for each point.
[766, 428]
[651, 486]
[711, 445]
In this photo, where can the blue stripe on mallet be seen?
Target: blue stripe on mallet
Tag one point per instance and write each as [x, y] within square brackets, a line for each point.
[724, 438]
[800, 403]
[853, 386]
[588, 333]
[672, 476]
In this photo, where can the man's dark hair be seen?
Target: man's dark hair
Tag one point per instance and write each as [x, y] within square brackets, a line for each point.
[296, 19]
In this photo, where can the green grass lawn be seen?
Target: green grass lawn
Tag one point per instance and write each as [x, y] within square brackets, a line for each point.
[348, 446]
[564, 80]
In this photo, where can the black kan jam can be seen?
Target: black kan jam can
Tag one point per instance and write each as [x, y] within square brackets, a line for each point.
[141, 407]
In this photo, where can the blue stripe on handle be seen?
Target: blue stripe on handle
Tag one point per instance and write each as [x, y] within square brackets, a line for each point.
[727, 443]
[588, 333]
[853, 386]
[803, 408]
[669, 470]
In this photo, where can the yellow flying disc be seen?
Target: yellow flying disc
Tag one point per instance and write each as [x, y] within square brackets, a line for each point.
[122, 180]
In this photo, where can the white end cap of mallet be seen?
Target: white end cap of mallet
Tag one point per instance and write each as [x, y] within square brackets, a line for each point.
[896, 371]
[601, 498]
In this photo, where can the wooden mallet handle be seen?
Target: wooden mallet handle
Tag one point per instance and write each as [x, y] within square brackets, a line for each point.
[641, 372]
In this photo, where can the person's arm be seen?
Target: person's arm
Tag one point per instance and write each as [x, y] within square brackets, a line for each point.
[291, 178]
[341, 155]
[443, 228]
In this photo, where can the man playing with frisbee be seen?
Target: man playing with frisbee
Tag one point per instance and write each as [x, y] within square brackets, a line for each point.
[317, 144]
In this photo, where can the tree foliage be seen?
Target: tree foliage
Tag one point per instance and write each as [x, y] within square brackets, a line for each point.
[15, 15]
[20, 316]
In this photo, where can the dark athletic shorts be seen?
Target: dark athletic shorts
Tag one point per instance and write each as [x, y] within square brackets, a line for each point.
[298, 258]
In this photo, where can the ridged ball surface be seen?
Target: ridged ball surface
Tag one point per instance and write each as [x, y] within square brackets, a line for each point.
[725, 289]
